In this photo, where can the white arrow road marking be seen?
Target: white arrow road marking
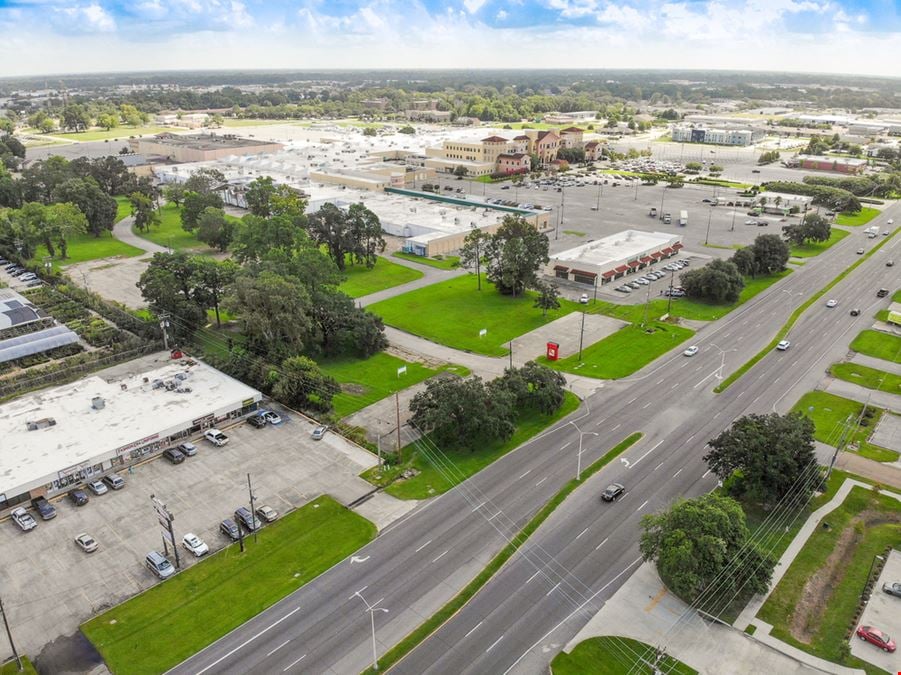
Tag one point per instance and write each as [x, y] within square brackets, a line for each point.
[358, 559]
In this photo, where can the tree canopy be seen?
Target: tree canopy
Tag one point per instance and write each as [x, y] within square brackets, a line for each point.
[514, 255]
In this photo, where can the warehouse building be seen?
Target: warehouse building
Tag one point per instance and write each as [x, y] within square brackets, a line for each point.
[200, 147]
[56, 439]
[726, 135]
[614, 257]
[848, 165]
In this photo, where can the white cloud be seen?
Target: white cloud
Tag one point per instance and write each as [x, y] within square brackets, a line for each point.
[501, 15]
[573, 9]
[625, 16]
[473, 6]
[90, 18]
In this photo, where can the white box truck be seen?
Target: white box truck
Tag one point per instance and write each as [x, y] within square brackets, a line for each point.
[683, 218]
[872, 232]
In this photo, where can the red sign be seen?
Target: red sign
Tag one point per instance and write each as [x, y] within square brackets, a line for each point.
[553, 351]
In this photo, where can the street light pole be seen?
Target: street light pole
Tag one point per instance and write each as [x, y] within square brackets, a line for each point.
[582, 434]
[372, 609]
[709, 216]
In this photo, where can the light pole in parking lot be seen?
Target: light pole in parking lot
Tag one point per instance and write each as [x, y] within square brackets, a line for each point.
[582, 434]
[662, 195]
[253, 515]
[372, 609]
[709, 216]
[9, 635]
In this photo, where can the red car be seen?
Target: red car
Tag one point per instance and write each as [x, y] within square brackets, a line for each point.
[876, 637]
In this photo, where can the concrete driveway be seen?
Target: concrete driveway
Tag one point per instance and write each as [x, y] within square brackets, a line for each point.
[884, 612]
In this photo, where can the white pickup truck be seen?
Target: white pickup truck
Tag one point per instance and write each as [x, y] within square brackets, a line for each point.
[215, 437]
[23, 519]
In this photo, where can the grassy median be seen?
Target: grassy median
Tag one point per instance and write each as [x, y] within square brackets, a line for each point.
[173, 620]
[609, 655]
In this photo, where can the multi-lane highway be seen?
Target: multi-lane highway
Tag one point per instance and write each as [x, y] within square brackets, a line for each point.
[581, 555]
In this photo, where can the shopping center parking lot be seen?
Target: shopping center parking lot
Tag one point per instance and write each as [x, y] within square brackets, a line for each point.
[50, 586]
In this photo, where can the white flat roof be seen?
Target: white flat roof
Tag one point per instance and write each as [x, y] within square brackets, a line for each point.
[85, 435]
[617, 247]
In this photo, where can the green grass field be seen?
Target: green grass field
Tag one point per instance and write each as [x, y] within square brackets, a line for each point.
[430, 482]
[879, 345]
[385, 274]
[865, 376]
[610, 655]
[120, 133]
[366, 381]
[170, 232]
[813, 248]
[11, 668]
[830, 622]
[123, 209]
[204, 602]
[862, 217]
[88, 247]
[829, 413]
[447, 262]
[629, 349]
[453, 312]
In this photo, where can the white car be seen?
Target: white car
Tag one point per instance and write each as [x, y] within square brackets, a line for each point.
[215, 437]
[691, 351]
[642, 281]
[319, 432]
[783, 345]
[272, 417]
[195, 544]
[267, 513]
[98, 487]
[831, 303]
[890, 221]
[23, 519]
[584, 298]
[86, 542]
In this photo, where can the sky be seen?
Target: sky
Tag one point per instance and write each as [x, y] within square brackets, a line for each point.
[836, 36]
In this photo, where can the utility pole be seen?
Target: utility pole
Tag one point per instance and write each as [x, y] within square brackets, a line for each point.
[397, 410]
[581, 335]
[662, 195]
[164, 324]
[647, 307]
[732, 229]
[511, 354]
[253, 515]
[709, 216]
[600, 185]
[669, 298]
[9, 636]
[166, 518]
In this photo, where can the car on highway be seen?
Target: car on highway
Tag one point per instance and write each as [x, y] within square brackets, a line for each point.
[613, 492]
[86, 542]
[889, 263]
[267, 513]
[45, 508]
[195, 544]
[79, 497]
[23, 519]
[97, 487]
[882, 292]
[876, 637]
[257, 421]
[860, 251]
[783, 345]
[319, 432]
[583, 299]
[855, 312]
[691, 351]
[892, 588]
[831, 303]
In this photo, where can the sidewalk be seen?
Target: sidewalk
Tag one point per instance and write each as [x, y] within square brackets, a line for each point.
[431, 275]
[122, 232]
[878, 364]
[884, 474]
[880, 399]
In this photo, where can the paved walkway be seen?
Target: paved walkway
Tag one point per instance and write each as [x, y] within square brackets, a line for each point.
[880, 472]
[880, 399]
[878, 364]
[122, 232]
[431, 275]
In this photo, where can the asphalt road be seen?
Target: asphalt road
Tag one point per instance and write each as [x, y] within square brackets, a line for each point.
[586, 549]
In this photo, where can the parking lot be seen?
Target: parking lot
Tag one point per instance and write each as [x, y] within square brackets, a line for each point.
[50, 586]
[883, 611]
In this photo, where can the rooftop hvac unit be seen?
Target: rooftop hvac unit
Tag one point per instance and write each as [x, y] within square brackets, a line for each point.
[456, 221]
[43, 423]
[97, 403]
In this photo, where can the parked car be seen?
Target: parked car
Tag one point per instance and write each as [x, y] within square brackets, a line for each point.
[195, 544]
[115, 481]
[187, 449]
[159, 564]
[319, 432]
[229, 528]
[23, 519]
[893, 588]
[882, 292]
[613, 492]
[272, 417]
[86, 542]
[783, 345]
[247, 519]
[256, 421]
[79, 497]
[583, 298]
[876, 637]
[97, 487]
[691, 351]
[831, 303]
[215, 437]
[45, 508]
[173, 455]
[267, 513]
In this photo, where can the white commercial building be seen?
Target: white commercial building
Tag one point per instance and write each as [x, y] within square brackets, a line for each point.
[717, 136]
[58, 438]
[613, 257]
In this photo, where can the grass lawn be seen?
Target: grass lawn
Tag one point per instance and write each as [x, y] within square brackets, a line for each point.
[385, 274]
[867, 377]
[430, 482]
[366, 381]
[211, 598]
[862, 217]
[123, 207]
[453, 312]
[11, 668]
[170, 233]
[88, 247]
[609, 655]
[829, 413]
[121, 133]
[447, 262]
[879, 345]
[629, 349]
[834, 607]
[813, 248]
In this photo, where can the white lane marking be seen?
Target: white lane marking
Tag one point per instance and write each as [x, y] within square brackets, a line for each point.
[600, 422]
[777, 379]
[526, 473]
[440, 556]
[660, 381]
[616, 427]
[645, 455]
[359, 591]
[718, 414]
[494, 643]
[534, 575]
[646, 405]
[494, 516]
[574, 612]
[291, 665]
[690, 437]
[642, 506]
[541, 481]
[567, 445]
[741, 394]
[739, 338]
[279, 647]
[472, 630]
[248, 641]
[706, 473]
[553, 589]
[478, 507]
[755, 400]
[683, 365]
[674, 386]
[706, 378]
[678, 472]
[632, 401]
[601, 544]
[581, 533]
[423, 546]
[658, 466]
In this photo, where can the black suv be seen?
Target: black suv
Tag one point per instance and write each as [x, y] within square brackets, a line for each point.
[229, 528]
[882, 292]
[44, 507]
[257, 421]
[613, 492]
[79, 497]
[247, 519]
[173, 455]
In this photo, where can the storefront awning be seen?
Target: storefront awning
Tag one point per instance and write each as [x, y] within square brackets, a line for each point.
[561, 268]
[657, 255]
[609, 273]
[584, 274]
[634, 263]
[667, 251]
[677, 245]
[622, 268]
[645, 258]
